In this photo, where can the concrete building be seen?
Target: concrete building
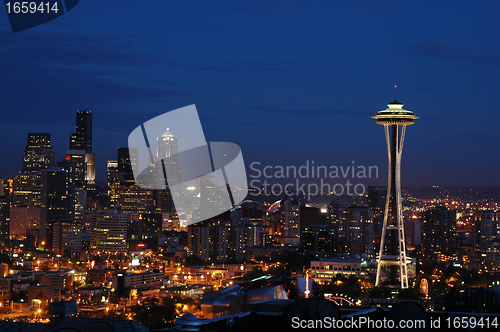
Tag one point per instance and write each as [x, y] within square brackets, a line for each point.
[139, 281]
[108, 231]
[440, 233]
[486, 240]
[22, 219]
[324, 270]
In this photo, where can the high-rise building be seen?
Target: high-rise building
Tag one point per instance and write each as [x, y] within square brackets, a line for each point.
[213, 200]
[126, 163]
[74, 165]
[394, 119]
[335, 215]
[108, 232]
[4, 217]
[82, 139]
[54, 199]
[440, 233]
[67, 235]
[486, 240]
[358, 221]
[135, 199]
[167, 147]
[90, 168]
[114, 179]
[291, 220]
[38, 156]
[377, 197]
[22, 189]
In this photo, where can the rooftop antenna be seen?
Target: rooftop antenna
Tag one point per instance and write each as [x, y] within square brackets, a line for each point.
[395, 92]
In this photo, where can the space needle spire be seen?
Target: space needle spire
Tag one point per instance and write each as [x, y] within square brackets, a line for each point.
[392, 251]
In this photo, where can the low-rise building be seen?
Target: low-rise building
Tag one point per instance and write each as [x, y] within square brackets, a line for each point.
[140, 281]
[326, 269]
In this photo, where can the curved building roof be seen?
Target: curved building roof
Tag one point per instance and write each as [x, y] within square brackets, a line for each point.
[395, 114]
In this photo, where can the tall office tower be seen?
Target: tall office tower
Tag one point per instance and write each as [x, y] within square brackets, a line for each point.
[486, 240]
[135, 199]
[22, 189]
[377, 197]
[54, 201]
[114, 179]
[291, 220]
[38, 155]
[82, 139]
[167, 148]
[336, 215]
[394, 119]
[212, 199]
[74, 165]
[359, 229]
[131, 198]
[4, 217]
[90, 168]
[108, 232]
[67, 236]
[125, 165]
[440, 233]
[1, 186]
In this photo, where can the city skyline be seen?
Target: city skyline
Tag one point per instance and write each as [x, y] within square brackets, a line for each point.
[295, 76]
[97, 234]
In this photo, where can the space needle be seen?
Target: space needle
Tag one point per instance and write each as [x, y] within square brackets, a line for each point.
[393, 252]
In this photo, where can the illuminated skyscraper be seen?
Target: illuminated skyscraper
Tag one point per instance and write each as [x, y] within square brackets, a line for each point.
[125, 165]
[394, 119]
[82, 139]
[358, 221]
[486, 240]
[4, 217]
[114, 179]
[38, 155]
[74, 165]
[167, 149]
[54, 202]
[336, 215]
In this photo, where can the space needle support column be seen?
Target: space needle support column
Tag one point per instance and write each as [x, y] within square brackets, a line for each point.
[403, 273]
[387, 202]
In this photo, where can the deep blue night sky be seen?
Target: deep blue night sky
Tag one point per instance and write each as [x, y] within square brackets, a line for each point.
[288, 81]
